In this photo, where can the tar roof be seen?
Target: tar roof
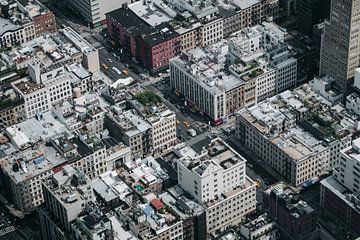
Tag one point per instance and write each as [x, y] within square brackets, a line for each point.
[137, 27]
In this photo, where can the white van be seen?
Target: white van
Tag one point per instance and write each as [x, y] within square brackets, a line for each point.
[116, 70]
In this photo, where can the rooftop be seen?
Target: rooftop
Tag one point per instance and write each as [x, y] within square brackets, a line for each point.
[153, 35]
[77, 40]
[46, 127]
[351, 199]
[109, 186]
[149, 13]
[277, 119]
[27, 86]
[7, 26]
[291, 200]
[29, 163]
[208, 73]
[258, 223]
[182, 205]
[132, 123]
[33, 8]
[354, 150]
[70, 186]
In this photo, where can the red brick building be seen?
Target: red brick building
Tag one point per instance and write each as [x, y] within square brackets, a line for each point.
[42, 18]
[153, 47]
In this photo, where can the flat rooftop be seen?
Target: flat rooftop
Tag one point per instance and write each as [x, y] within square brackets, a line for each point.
[149, 13]
[27, 86]
[244, 4]
[29, 163]
[46, 128]
[78, 40]
[206, 72]
[7, 26]
[137, 26]
[340, 191]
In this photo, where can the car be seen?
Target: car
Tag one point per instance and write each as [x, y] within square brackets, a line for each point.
[186, 124]
[125, 71]
[177, 122]
[104, 66]
[110, 60]
[191, 132]
[116, 70]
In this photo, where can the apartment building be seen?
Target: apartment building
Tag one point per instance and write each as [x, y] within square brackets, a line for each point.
[12, 108]
[295, 217]
[93, 226]
[239, 72]
[163, 130]
[41, 90]
[152, 42]
[189, 35]
[151, 221]
[12, 34]
[217, 179]
[243, 14]
[204, 85]
[191, 213]
[23, 20]
[264, 45]
[24, 172]
[281, 58]
[339, 193]
[66, 194]
[90, 55]
[211, 32]
[132, 130]
[297, 140]
[42, 18]
[262, 227]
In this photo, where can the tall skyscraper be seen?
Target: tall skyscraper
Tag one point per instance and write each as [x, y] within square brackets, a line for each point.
[340, 45]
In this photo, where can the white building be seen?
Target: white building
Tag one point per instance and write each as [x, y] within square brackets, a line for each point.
[12, 34]
[94, 10]
[348, 172]
[211, 32]
[217, 179]
[204, 84]
[43, 89]
[261, 228]
[300, 144]
[325, 87]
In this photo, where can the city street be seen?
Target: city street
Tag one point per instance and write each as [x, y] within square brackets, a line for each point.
[113, 63]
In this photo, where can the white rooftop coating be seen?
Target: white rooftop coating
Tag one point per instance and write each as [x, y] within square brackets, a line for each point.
[119, 232]
[147, 11]
[110, 186]
[138, 123]
[46, 128]
[6, 26]
[207, 72]
[244, 4]
[77, 40]
[17, 136]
